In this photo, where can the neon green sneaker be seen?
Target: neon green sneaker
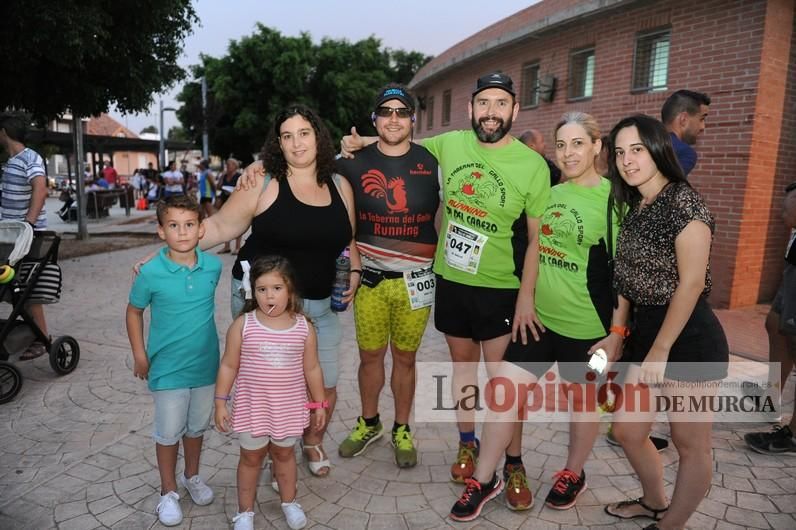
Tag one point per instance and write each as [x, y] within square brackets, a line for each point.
[405, 452]
[360, 438]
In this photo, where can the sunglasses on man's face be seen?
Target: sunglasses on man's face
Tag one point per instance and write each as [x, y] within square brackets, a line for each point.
[386, 112]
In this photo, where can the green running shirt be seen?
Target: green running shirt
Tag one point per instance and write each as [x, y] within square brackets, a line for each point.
[573, 290]
[484, 192]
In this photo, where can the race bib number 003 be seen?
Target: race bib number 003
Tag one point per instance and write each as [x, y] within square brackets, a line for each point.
[420, 287]
[463, 247]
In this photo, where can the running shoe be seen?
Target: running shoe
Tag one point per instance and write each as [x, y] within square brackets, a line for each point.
[405, 452]
[518, 494]
[778, 442]
[464, 467]
[475, 495]
[566, 489]
[360, 439]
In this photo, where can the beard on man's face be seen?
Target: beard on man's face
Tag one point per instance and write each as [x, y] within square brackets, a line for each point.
[495, 136]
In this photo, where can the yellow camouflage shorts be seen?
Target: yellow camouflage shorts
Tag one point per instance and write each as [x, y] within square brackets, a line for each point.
[383, 314]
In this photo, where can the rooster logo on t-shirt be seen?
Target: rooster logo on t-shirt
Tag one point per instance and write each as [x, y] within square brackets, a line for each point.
[475, 189]
[393, 191]
[556, 228]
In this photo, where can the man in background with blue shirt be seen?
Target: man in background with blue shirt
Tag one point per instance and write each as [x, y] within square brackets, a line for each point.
[684, 114]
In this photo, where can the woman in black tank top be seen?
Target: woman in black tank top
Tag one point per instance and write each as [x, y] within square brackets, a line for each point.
[302, 211]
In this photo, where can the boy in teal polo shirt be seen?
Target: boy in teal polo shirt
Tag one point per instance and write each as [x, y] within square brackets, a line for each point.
[180, 360]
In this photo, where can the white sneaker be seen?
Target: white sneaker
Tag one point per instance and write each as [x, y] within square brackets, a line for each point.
[244, 521]
[294, 515]
[168, 510]
[200, 492]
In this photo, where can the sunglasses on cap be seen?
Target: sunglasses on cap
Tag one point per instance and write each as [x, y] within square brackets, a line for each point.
[386, 112]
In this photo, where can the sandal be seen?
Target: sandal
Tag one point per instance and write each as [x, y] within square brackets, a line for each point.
[35, 350]
[317, 467]
[655, 515]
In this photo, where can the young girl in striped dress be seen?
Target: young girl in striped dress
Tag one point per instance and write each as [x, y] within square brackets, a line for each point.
[271, 356]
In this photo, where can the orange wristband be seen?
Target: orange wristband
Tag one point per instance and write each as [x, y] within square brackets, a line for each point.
[622, 331]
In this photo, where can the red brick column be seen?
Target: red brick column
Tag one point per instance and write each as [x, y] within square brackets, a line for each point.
[761, 174]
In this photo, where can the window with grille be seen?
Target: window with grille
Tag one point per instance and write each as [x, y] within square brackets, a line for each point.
[446, 107]
[651, 61]
[430, 113]
[581, 73]
[530, 85]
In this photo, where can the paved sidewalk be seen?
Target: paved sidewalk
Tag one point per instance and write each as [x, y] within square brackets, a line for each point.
[76, 452]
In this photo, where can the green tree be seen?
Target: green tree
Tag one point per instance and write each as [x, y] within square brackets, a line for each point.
[404, 64]
[177, 133]
[87, 55]
[265, 71]
[151, 129]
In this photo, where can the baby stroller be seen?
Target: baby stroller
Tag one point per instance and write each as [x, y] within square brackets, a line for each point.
[29, 272]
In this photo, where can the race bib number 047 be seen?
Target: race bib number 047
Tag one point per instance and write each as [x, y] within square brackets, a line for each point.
[463, 248]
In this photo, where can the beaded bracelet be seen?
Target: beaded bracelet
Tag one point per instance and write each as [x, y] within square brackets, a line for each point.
[224, 398]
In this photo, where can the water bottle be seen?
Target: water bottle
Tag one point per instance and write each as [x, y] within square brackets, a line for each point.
[341, 281]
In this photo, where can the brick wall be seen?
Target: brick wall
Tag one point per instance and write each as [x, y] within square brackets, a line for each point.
[716, 47]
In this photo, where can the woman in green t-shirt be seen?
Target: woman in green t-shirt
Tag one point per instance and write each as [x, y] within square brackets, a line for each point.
[574, 303]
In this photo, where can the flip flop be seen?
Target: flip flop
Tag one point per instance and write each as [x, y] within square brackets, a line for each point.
[655, 515]
[316, 468]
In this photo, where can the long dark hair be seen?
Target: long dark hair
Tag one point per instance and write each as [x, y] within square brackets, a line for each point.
[656, 139]
[281, 266]
[273, 158]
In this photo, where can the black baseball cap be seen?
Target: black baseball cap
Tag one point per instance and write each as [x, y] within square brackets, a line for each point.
[495, 80]
[394, 91]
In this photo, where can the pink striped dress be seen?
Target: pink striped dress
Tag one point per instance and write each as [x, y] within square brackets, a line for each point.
[270, 390]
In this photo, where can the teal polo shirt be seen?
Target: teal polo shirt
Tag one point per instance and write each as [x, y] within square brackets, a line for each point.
[183, 342]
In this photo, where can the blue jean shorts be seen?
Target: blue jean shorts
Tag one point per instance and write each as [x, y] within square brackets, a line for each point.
[326, 324]
[181, 412]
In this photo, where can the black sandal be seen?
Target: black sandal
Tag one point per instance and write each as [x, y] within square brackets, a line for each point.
[623, 504]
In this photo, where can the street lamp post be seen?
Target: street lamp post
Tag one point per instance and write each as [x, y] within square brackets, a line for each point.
[205, 150]
[162, 151]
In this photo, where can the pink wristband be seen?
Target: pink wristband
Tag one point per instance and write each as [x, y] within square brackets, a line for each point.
[317, 405]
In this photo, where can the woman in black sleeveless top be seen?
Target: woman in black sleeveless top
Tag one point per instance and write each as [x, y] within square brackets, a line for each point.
[303, 211]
